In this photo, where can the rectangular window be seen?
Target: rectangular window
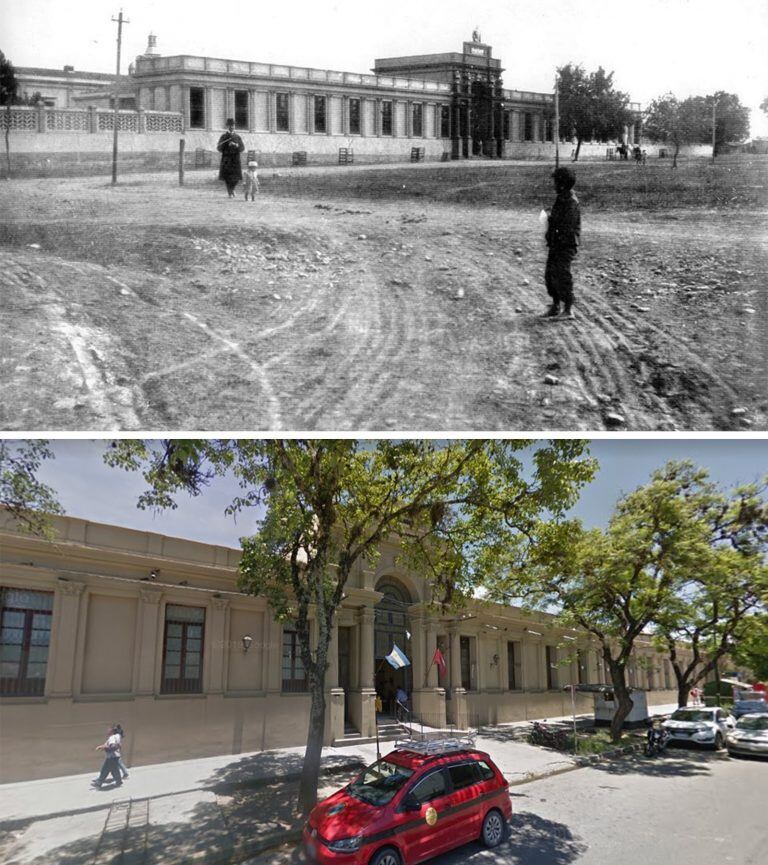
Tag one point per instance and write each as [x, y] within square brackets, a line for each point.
[507, 127]
[418, 120]
[386, 118]
[445, 121]
[550, 655]
[294, 677]
[354, 116]
[197, 107]
[25, 635]
[463, 775]
[511, 667]
[183, 649]
[320, 114]
[282, 123]
[466, 664]
[548, 129]
[527, 126]
[241, 109]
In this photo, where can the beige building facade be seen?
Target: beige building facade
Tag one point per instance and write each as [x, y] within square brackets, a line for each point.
[104, 624]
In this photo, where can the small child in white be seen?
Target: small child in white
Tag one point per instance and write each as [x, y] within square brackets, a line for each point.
[251, 180]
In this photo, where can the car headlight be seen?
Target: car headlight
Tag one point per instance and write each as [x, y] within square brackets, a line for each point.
[345, 845]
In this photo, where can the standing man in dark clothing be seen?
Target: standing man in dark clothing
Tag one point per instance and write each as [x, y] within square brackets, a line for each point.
[563, 236]
[230, 147]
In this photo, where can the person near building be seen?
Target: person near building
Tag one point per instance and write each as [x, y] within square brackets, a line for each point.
[401, 704]
[111, 765]
[563, 237]
[230, 147]
[120, 763]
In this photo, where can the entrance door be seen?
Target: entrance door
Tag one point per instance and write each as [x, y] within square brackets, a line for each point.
[345, 679]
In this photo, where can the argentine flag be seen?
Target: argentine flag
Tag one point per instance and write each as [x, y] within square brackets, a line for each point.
[397, 657]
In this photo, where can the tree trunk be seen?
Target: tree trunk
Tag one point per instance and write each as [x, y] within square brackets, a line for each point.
[674, 158]
[621, 693]
[578, 148]
[682, 694]
[8, 139]
[311, 768]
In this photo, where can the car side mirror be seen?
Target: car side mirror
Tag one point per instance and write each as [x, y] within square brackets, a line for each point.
[411, 803]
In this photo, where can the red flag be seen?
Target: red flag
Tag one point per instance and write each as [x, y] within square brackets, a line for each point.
[440, 661]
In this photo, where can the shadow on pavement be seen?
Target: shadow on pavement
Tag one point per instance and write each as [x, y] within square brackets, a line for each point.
[667, 765]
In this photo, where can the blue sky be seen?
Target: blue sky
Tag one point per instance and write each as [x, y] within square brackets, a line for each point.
[89, 489]
[691, 47]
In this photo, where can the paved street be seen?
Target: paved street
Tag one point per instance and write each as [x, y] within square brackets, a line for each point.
[684, 808]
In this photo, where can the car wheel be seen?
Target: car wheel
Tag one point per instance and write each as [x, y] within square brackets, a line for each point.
[719, 742]
[387, 856]
[493, 829]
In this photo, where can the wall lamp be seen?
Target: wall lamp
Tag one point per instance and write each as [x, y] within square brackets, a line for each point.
[247, 640]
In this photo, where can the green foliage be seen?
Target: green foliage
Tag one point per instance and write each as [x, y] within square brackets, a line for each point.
[29, 501]
[590, 107]
[751, 645]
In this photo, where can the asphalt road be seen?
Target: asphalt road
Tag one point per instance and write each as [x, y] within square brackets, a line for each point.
[686, 807]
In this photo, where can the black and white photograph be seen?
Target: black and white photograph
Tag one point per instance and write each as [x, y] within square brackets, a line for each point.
[422, 216]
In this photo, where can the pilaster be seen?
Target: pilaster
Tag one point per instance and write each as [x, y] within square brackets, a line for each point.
[61, 653]
[217, 636]
[147, 632]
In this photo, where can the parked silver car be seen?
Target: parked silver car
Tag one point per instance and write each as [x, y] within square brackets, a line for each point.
[700, 725]
[748, 707]
[750, 735]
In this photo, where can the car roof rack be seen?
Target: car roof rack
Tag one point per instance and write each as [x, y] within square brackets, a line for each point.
[436, 747]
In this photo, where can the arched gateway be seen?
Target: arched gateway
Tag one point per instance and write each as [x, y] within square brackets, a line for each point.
[390, 629]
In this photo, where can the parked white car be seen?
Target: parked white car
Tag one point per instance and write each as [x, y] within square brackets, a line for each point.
[700, 725]
[750, 735]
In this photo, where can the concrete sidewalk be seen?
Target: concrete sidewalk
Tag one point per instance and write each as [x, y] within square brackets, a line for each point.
[212, 810]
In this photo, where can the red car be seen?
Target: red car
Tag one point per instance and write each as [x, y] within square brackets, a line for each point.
[419, 801]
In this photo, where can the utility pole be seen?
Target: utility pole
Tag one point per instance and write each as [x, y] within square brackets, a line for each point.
[120, 21]
[557, 120]
[714, 122]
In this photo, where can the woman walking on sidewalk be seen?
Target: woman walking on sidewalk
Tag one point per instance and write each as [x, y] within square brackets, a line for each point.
[111, 749]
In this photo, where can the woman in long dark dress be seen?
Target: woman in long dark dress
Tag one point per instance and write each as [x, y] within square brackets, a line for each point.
[230, 147]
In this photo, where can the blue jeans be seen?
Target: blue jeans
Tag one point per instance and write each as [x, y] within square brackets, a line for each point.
[111, 766]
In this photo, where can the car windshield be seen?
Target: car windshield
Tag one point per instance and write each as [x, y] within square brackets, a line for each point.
[753, 723]
[378, 784]
[691, 715]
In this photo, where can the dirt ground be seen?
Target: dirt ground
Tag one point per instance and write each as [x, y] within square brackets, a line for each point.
[153, 307]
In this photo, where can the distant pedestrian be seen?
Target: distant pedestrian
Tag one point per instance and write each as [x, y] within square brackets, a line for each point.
[401, 704]
[120, 762]
[230, 147]
[111, 765]
[251, 180]
[563, 237]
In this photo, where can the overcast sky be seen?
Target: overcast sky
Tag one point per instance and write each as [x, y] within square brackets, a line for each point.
[689, 47]
[90, 490]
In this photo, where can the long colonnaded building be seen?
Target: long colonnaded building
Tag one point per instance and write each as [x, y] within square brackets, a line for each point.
[104, 624]
[451, 105]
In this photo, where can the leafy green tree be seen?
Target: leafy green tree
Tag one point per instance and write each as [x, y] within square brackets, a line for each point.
[764, 105]
[9, 89]
[677, 123]
[619, 582]
[29, 502]
[731, 119]
[751, 645]
[590, 107]
[326, 506]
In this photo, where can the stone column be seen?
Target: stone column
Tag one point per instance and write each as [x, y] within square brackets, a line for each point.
[395, 103]
[328, 118]
[416, 627]
[216, 628]
[431, 646]
[332, 673]
[457, 708]
[271, 111]
[310, 114]
[208, 105]
[251, 110]
[292, 113]
[365, 711]
[147, 629]
[185, 105]
[377, 112]
[345, 115]
[61, 652]
[41, 125]
[409, 119]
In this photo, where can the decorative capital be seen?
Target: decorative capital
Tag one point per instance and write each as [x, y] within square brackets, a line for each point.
[150, 596]
[219, 603]
[69, 587]
[366, 615]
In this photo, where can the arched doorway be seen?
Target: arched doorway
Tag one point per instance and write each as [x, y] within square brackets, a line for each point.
[390, 629]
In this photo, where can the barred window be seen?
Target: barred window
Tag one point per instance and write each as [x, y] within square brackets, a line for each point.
[197, 107]
[183, 649]
[445, 121]
[25, 635]
[527, 126]
[418, 120]
[281, 112]
[320, 114]
[354, 116]
[466, 663]
[294, 677]
[512, 660]
[241, 109]
[386, 118]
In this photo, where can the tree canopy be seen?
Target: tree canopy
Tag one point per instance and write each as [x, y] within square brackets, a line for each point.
[29, 501]
[325, 506]
[590, 107]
